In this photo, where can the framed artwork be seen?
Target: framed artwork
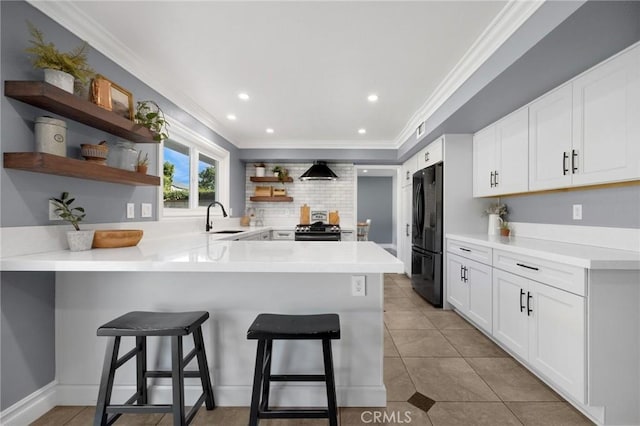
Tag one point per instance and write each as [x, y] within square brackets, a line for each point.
[111, 96]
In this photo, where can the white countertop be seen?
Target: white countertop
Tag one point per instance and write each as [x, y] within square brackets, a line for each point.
[584, 256]
[201, 252]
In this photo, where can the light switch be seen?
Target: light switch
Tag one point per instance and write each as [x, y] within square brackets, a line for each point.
[577, 212]
[145, 210]
[358, 285]
[131, 210]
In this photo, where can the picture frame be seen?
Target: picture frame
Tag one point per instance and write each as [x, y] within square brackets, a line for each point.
[112, 97]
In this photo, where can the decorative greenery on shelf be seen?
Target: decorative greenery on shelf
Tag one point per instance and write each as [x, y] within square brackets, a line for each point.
[73, 215]
[281, 172]
[46, 55]
[499, 209]
[150, 115]
[143, 161]
[504, 225]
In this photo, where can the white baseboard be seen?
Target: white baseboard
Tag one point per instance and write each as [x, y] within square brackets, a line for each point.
[31, 407]
[615, 238]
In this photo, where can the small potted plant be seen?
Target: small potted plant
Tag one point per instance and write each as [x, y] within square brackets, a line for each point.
[150, 115]
[60, 68]
[143, 162]
[280, 172]
[504, 229]
[495, 212]
[78, 240]
[260, 168]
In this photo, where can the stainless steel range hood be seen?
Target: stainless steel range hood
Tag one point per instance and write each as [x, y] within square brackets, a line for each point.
[319, 171]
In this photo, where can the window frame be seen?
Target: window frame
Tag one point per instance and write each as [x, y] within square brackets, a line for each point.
[196, 144]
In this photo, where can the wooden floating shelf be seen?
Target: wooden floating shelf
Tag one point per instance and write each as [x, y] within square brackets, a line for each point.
[40, 162]
[271, 199]
[269, 179]
[53, 99]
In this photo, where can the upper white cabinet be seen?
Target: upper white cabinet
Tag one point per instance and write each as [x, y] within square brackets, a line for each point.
[499, 156]
[606, 121]
[431, 154]
[408, 169]
[587, 131]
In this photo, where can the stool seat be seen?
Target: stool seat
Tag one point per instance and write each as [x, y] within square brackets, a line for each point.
[139, 323]
[288, 327]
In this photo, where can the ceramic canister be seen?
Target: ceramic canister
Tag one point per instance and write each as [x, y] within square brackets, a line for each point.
[51, 136]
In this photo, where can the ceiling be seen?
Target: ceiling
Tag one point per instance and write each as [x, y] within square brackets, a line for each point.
[307, 67]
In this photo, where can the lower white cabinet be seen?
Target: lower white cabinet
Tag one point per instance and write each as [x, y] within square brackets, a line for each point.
[283, 234]
[544, 326]
[347, 235]
[470, 289]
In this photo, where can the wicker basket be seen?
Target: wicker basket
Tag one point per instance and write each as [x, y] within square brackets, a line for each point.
[264, 191]
[279, 192]
[96, 153]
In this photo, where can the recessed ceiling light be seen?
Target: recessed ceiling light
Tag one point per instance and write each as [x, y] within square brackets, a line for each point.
[269, 130]
[372, 98]
[231, 117]
[243, 96]
[362, 131]
[365, 171]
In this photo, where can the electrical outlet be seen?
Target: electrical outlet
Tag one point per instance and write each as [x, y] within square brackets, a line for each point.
[577, 212]
[145, 210]
[358, 285]
[131, 210]
[52, 212]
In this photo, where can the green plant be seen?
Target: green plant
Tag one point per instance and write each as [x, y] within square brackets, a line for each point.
[504, 225]
[143, 161]
[150, 115]
[281, 172]
[499, 209]
[73, 215]
[259, 165]
[46, 55]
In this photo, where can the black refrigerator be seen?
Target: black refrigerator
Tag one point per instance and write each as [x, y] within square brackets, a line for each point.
[426, 238]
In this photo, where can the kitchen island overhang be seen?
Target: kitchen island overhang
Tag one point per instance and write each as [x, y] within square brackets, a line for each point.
[234, 281]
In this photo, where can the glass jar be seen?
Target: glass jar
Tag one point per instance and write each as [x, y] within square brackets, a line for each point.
[123, 156]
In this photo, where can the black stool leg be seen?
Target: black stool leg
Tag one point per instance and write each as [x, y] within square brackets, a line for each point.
[141, 369]
[177, 381]
[106, 381]
[198, 341]
[330, 381]
[257, 384]
[266, 377]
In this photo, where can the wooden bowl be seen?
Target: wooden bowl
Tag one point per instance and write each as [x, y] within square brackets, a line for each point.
[112, 238]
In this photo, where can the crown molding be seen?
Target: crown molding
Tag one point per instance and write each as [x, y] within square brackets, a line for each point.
[317, 144]
[67, 14]
[510, 18]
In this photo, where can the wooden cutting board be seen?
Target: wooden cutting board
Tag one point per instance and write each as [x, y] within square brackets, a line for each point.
[113, 238]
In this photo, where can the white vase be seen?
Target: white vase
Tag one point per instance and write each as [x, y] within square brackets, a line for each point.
[59, 79]
[494, 224]
[80, 240]
[259, 171]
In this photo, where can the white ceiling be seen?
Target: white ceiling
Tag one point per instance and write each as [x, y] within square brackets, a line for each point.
[308, 67]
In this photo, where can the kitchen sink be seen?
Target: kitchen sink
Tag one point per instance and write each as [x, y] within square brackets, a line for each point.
[226, 232]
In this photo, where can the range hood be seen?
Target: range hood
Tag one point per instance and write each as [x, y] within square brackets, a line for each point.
[319, 171]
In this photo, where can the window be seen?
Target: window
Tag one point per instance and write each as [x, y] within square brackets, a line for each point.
[195, 173]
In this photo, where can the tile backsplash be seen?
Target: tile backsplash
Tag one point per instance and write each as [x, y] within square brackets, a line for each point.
[319, 195]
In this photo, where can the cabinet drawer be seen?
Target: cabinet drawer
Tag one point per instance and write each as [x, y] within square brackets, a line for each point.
[470, 251]
[565, 277]
[282, 235]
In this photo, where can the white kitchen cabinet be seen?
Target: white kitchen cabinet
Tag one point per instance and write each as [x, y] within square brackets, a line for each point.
[544, 326]
[550, 140]
[606, 124]
[430, 155]
[469, 289]
[500, 163]
[409, 167]
[347, 235]
[283, 234]
[405, 233]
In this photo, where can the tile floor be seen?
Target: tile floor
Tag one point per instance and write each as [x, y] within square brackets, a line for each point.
[433, 352]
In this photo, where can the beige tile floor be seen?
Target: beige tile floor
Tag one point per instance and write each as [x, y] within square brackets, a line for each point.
[436, 353]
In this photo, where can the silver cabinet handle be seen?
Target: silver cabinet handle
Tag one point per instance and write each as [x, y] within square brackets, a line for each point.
[407, 230]
[426, 156]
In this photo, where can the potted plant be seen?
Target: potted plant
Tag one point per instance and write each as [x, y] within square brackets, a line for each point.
[260, 168]
[142, 163]
[504, 229]
[280, 172]
[150, 115]
[60, 68]
[495, 211]
[78, 240]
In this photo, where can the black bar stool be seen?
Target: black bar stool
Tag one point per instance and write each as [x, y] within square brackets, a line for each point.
[141, 325]
[268, 327]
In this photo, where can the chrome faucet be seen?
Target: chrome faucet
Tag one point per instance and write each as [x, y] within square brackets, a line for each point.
[224, 213]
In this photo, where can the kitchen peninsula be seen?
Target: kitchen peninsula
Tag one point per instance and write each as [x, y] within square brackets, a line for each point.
[234, 281]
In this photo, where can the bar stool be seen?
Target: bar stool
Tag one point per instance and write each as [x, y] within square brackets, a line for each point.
[143, 324]
[268, 327]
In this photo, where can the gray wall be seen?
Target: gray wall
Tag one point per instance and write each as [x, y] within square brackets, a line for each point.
[104, 202]
[375, 202]
[28, 334]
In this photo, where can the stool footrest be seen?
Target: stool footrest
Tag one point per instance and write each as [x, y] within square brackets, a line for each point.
[161, 373]
[194, 410]
[139, 409]
[298, 378]
[294, 414]
[126, 357]
[187, 359]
